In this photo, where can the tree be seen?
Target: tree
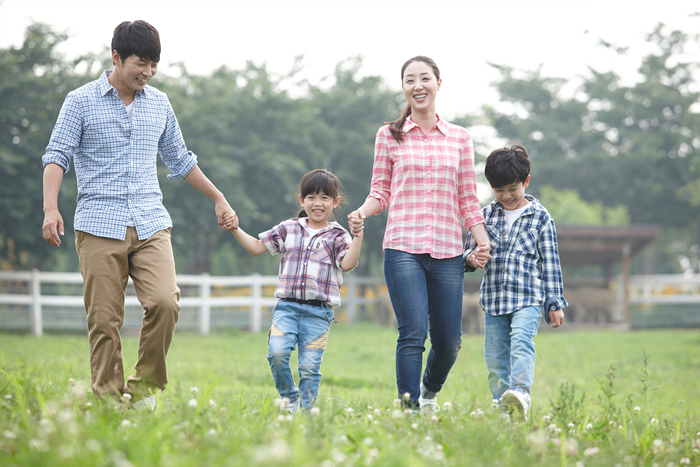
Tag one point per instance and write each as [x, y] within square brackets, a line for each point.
[630, 145]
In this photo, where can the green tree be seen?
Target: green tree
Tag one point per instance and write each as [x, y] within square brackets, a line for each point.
[631, 145]
[35, 81]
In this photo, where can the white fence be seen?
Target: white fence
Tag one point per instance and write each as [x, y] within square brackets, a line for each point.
[254, 292]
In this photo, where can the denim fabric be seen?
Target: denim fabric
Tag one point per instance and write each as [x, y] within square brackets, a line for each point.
[509, 349]
[425, 292]
[305, 326]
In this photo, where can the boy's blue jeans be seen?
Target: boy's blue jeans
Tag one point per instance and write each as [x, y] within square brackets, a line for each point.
[424, 292]
[509, 350]
[306, 326]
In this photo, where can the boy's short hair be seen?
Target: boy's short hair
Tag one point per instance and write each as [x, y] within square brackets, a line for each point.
[136, 38]
[506, 166]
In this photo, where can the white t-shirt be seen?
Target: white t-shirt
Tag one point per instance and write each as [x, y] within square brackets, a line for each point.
[512, 216]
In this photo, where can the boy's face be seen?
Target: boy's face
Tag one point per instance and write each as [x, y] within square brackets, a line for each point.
[512, 196]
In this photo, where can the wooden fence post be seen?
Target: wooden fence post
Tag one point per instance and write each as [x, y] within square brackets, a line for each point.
[205, 307]
[36, 318]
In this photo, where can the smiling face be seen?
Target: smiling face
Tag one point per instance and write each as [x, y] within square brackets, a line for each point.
[420, 86]
[512, 196]
[318, 206]
[132, 74]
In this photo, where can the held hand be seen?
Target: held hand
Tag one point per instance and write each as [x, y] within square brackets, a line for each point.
[480, 256]
[556, 317]
[53, 227]
[356, 222]
[230, 221]
[223, 209]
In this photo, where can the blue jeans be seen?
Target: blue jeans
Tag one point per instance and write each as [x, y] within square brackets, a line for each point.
[509, 349]
[306, 326]
[425, 292]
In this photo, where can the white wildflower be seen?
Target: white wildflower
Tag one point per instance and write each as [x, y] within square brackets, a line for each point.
[590, 452]
[194, 390]
[93, 445]
[370, 417]
[414, 425]
[349, 411]
[546, 419]
[637, 410]
[126, 397]
[571, 447]
[315, 412]
[555, 442]
[653, 421]
[192, 403]
[213, 433]
[434, 419]
[406, 397]
[397, 414]
[126, 423]
[447, 406]
[589, 427]
[505, 417]
[279, 402]
[494, 403]
[571, 426]
[9, 434]
[8, 397]
[685, 461]
[377, 412]
[408, 412]
[37, 445]
[71, 382]
[212, 403]
[343, 439]
[397, 403]
[368, 441]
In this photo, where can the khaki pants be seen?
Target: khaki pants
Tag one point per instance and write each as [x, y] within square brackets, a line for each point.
[106, 265]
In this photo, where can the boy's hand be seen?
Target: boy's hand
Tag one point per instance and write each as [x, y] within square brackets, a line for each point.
[480, 256]
[356, 222]
[230, 221]
[556, 317]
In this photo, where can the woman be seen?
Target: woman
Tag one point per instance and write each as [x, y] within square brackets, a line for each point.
[424, 168]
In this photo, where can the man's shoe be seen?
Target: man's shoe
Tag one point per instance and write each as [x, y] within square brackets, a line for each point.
[292, 408]
[516, 403]
[147, 403]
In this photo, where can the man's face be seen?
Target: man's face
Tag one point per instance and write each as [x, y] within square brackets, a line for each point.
[133, 72]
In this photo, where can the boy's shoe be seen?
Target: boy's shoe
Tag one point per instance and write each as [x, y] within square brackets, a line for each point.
[516, 403]
[147, 403]
[291, 408]
[428, 406]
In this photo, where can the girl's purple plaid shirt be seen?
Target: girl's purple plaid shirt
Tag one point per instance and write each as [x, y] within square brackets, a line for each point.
[524, 269]
[310, 266]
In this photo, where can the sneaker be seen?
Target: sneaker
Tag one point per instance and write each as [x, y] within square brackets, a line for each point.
[516, 403]
[147, 403]
[291, 408]
[428, 406]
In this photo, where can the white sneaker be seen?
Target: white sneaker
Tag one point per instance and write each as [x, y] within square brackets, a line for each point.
[147, 403]
[516, 403]
[291, 408]
[427, 406]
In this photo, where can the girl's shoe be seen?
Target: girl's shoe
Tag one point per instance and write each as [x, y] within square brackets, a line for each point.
[516, 403]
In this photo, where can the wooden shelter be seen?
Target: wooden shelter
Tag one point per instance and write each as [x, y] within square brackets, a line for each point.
[582, 245]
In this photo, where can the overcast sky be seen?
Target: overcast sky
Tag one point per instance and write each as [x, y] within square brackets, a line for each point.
[462, 36]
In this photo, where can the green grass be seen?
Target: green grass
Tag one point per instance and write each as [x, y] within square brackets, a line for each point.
[607, 385]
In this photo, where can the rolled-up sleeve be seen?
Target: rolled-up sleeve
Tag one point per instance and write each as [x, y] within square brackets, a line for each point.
[469, 205]
[65, 138]
[173, 150]
[551, 266]
[381, 170]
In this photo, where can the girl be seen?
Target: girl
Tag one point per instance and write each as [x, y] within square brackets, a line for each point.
[315, 252]
[424, 168]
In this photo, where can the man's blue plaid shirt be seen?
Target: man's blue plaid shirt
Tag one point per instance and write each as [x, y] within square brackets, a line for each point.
[115, 157]
[524, 268]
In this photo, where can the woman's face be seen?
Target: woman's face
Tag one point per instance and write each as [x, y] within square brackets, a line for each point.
[420, 86]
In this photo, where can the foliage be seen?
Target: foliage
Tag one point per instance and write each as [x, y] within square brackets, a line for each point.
[219, 408]
[633, 145]
[567, 208]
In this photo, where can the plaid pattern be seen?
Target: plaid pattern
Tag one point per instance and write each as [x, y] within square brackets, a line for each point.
[115, 157]
[429, 180]
[524, 268]
[310, 267]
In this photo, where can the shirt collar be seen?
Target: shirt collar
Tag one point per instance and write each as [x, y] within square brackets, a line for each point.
[331, 225]
[105, 88]
[410, 124]
[530, 207]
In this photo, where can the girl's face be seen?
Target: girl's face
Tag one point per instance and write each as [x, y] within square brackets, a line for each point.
[420, 86]
[318, 206]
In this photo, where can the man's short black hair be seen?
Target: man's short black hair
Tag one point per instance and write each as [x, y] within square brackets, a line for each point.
[506, 166]
[136, 38]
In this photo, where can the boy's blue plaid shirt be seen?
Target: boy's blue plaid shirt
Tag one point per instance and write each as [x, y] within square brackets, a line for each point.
[524, 269]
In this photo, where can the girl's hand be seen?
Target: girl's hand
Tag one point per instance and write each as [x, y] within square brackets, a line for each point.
[356, 222]
[230, 221]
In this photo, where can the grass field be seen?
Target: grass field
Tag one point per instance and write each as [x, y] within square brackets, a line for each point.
[599, 399]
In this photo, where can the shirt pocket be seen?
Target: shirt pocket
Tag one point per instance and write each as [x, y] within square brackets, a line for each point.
[494, 238]
[527, 243]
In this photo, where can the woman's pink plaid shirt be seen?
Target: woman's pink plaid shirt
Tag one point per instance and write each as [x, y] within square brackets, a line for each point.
[429, 181]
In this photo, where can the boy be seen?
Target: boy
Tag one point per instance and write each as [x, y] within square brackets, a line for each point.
[522, 276]
[113, 129]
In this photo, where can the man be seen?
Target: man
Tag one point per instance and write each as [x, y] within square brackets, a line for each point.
[113, 128]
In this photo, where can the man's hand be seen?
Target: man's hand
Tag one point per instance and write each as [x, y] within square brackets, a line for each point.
[53, 227]
[226, 216]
